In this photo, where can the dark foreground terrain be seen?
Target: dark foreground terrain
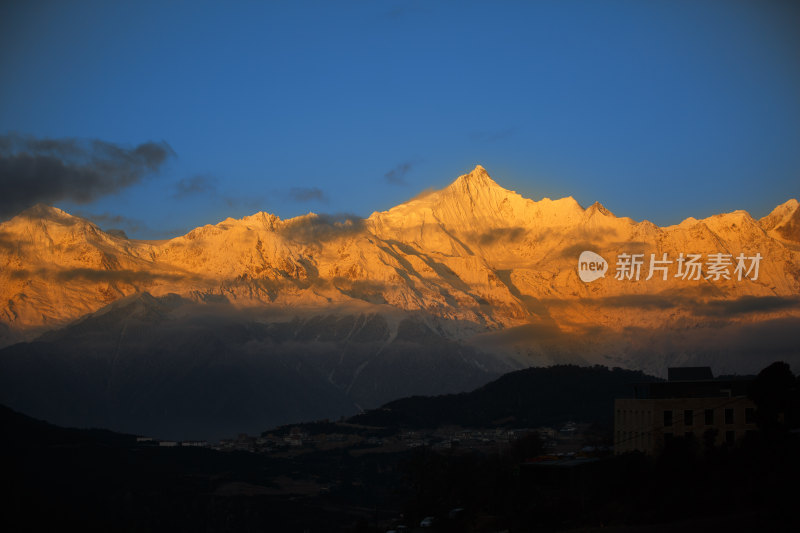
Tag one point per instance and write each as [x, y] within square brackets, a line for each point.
[353, 477]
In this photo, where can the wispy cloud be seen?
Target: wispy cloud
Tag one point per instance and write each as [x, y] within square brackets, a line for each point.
[495, 235]
[97, 275]
[114, 224]
[319, 228]
[646, 301]
[206, 185]
[423, 193]
[713, 307]
[396, 176]
[109, 222]
[308, 194]
[7, 243]
[407, 9]
[198, 184]
[51, 170]
[253, 203]
[493, 136]
[748, 305]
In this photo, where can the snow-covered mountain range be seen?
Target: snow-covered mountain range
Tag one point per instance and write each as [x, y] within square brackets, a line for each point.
[473, 252]
[491, 275]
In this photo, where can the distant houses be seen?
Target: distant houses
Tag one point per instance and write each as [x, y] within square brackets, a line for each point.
[150, 441]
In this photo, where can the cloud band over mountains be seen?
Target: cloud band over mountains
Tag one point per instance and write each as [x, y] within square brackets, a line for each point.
[50, 170]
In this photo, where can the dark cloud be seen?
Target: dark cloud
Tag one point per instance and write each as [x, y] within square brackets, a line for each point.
[199, 184]
[117, 233]
[574, 251]
[579, 235]
[726, 346]
[254, 202]
[366, 290]
[699, 306]
[122, 226]
[128, 276]
[206, 185]
[202, 184]
[7, 243]
[396, 176]
[645, 301]
[631, 247]
[498, 235]
[318, 228]
[308, 194]
[110, 222]
[773, 337]
[746, 305]
[527, 332]
[96, 275]
[50, 170]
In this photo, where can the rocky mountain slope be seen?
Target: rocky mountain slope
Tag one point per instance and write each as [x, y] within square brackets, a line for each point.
[439, 294]
[472, 252]
[169, 367]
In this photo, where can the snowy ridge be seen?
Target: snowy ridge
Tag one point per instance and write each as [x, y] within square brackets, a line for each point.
[475, 255]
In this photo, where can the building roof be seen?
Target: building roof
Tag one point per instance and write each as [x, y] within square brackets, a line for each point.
[712, 388]
[689, 373]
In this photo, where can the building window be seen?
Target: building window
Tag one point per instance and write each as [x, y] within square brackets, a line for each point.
[688, 435]
[667, 439]
[709, 417]
[729, 416]
[688, 417]
[749, 415]
[667, 418]
[730, 437]
[710, 437]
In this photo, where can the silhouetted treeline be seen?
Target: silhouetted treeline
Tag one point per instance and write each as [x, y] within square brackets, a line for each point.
[691, 486]
[750, 487]
[95, 480]
[527, 398]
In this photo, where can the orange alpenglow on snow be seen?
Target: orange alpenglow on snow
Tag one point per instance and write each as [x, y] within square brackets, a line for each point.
[473, 253]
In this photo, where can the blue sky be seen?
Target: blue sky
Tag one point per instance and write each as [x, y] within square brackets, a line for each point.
[659, 110]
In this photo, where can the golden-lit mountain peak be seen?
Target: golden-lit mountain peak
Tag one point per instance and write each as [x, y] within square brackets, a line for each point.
[783, 222]
[473, 252]
[780, 214]
[40, 212]
[474, 182]
[597, 207]
[477, 175]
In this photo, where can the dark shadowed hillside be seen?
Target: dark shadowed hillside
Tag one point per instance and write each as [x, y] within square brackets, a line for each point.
[98, 480]
[525, 398]
[171, 368]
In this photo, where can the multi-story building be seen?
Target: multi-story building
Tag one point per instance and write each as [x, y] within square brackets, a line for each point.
[691, 403]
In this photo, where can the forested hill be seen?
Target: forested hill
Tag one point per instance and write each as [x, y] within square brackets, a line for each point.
[525, 398]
